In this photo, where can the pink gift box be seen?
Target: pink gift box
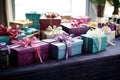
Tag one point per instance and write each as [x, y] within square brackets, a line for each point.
[81, 19]
[21, 56]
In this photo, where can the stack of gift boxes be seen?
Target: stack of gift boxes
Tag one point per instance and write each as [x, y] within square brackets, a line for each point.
[57, 41]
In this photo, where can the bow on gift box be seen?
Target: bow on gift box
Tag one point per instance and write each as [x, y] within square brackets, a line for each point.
[51, 15]
[24, 42]
[3, 30]
[51, 32]
[67, 39]
[12, 32]
[80, 20]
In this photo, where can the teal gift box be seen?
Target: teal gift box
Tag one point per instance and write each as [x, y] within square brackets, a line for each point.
[35, 17]
[94, 44]
[5, 39]
[58, 49]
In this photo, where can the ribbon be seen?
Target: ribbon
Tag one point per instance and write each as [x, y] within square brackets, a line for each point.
[50, 32]
[51, 15]
[3, 30]
[24, 42]
[67, 39]
[12, 32]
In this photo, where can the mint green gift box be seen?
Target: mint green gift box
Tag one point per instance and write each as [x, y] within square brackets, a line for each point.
[92, 44]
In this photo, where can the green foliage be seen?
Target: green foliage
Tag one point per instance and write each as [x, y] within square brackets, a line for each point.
[98, 1]
[115, 3]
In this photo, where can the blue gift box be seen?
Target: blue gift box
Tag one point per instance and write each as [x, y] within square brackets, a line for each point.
[58, 49]
[92, 45]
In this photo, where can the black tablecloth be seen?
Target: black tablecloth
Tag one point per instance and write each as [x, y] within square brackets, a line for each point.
[101, 66]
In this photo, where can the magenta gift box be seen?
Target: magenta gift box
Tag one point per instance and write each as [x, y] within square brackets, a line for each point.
[21, 56]
[45, 22]
[77, 31]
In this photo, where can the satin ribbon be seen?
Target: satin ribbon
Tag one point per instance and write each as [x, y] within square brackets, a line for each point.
[3, 30]
[12, 32]
[66, 39]
[50, 32]
[24, 42]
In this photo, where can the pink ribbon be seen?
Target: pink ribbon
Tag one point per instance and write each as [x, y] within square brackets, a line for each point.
[3, 30]
[67, 39]
[24, 42]
[13, 32]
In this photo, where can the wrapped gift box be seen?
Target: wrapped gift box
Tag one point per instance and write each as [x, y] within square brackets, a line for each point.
[92, 44]
[4, 56]
[45, 22]
[5, 39]
[77, 31]
[35, 17]
[58, 49]
[81, 19]
[21, 23]
[21, 56]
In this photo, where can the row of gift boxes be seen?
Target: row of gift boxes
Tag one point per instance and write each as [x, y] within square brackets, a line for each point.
[49, 48]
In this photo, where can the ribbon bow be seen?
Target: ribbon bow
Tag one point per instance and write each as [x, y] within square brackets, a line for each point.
[53, 31]
[67, 39]
[12, 32]
[3, 30]
[24, 42]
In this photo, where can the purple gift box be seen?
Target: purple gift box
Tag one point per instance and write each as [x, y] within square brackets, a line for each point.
[21, 56]
[77, 31]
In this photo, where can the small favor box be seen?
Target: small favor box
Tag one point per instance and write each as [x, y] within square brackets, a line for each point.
[94, 44]
[21, 56]
[58, 49]
[77, 31]
[45, 22]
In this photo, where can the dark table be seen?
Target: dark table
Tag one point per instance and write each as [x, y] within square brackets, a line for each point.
[104, 65]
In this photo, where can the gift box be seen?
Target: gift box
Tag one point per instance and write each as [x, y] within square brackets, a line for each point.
[45, 22]
[94, 42]
[81, 19]
[21, 23]
[4, 56]
[58, 49]
[21, 56]
[77, 31]
[35, 17]
[5, 39]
